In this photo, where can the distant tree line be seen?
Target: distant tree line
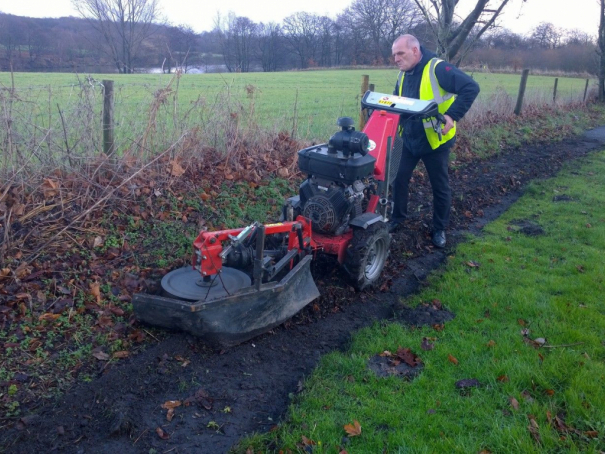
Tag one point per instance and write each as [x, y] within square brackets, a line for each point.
[361, 35]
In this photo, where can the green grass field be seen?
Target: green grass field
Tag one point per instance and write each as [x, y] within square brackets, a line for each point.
[307, 103]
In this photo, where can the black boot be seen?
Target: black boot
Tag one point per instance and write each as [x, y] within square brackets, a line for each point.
[439, 238]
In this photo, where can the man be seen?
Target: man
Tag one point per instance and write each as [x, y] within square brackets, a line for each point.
[423, 76]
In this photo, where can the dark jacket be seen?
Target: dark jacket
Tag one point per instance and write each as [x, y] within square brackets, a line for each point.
[450, 79]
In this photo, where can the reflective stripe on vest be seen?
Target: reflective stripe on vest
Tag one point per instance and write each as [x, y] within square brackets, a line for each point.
[430, 90]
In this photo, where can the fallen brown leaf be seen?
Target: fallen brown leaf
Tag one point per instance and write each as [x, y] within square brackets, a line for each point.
[534, 428]
[116, 311]
[407, 356]
[100, 355]
[514, 403]
[452, 359]
[307, 441]
[175, 169]
[48, 317]
[50, 188]
[162, 434]
[353, 430]
[98, 242]
[171, 404]
[532, 343]
[170, 414]
[95, 290]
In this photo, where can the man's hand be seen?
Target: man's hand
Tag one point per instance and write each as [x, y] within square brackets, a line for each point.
[449, 124]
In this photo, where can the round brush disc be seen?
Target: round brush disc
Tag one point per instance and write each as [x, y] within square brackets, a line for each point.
[188, 284]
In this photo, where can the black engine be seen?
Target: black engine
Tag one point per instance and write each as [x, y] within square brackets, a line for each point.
[337, 172]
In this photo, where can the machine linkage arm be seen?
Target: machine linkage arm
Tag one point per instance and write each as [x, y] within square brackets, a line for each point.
[209, 252]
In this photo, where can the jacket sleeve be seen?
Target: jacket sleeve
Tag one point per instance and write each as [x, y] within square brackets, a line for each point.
[453, 80]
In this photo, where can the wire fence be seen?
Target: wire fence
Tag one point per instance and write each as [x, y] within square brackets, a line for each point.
[57, 124]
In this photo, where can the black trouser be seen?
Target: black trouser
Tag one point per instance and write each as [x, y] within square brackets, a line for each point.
[436, 164]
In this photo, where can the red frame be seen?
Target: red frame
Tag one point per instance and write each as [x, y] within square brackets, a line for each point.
[210, 244]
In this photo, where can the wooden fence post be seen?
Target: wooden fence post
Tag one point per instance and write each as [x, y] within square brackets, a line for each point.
[585, 90]
[521, 91]
[554, 93]
[365, 82]
[108, 140]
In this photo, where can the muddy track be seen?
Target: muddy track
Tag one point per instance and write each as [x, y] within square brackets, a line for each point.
[247, 389]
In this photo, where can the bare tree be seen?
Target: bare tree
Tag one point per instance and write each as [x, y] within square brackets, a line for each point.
[452, 36]
[181, 44]
[381, 21]
[579, 37]
[11, 37]
[341, 39]
[123, 24]
[547, 36]
[271, 52]
[601, 51]
[237, 35]
[503, 38]
[303, 32]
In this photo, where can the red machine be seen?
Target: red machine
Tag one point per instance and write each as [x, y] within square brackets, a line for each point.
[245, 281]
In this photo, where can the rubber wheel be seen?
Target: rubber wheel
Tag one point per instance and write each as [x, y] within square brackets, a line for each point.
[367, 254]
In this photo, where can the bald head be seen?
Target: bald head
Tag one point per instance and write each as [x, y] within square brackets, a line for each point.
[408, 41]
[406, 52]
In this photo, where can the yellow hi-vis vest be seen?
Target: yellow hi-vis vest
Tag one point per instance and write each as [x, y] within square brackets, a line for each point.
[431, 91]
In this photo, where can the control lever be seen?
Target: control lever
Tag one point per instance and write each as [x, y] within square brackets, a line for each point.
[437, 127]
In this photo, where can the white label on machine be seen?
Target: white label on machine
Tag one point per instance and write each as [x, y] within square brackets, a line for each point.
[389, 100]
[371, 145]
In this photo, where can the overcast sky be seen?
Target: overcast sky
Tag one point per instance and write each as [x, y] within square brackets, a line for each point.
[520, 17]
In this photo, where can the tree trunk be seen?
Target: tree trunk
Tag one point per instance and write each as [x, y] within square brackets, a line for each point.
[602, 52]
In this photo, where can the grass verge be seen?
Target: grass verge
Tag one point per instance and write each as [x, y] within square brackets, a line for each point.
[529, 332]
